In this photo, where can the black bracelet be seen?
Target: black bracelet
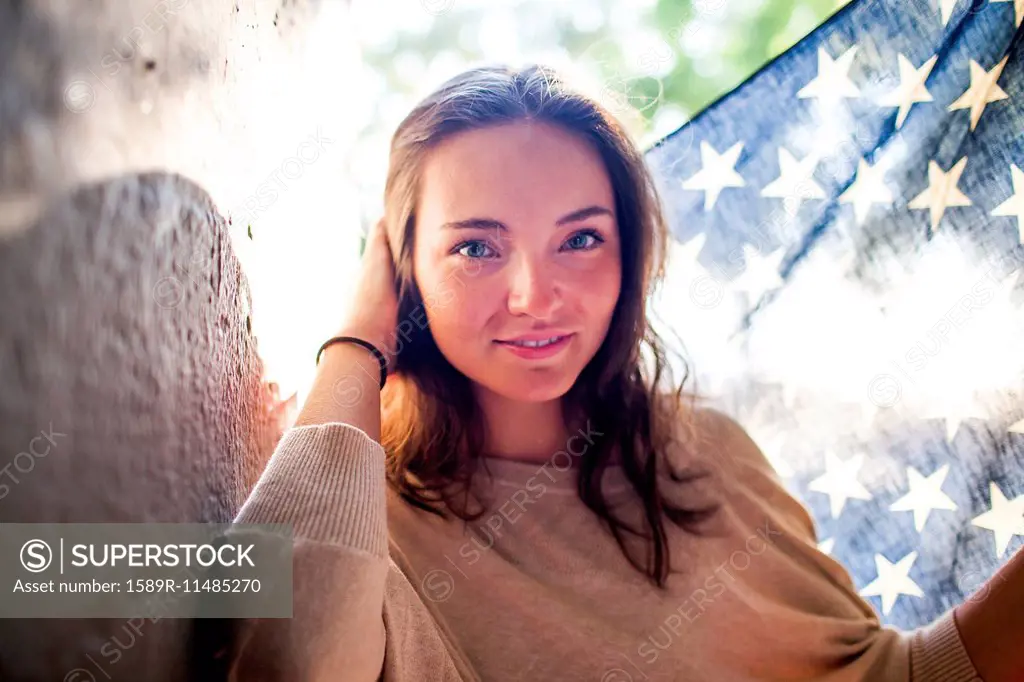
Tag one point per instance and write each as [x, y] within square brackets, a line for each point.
[365, 344]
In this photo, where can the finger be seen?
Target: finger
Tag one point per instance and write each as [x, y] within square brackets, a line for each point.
[371, 240]
[380, 229]
[384, 237]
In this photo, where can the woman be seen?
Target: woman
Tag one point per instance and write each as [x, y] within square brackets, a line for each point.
[531, 497]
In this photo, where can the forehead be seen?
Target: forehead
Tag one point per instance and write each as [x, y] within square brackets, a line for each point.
[529, 171]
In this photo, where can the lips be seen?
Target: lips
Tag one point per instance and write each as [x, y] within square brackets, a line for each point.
[535, 343]
[547, 349]
[534, 336]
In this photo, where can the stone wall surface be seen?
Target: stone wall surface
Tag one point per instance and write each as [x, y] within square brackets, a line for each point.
[126, 128]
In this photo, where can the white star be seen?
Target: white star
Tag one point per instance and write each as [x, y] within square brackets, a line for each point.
[1014, 206]
[954, 409]
[911, 89]
[826, 546]
[946, 7]
[795, 182]
[687, 254]
[840, 482]
[717, 173]
[942, 192]
[1019, 7]
[868, 188]
[925, 494]
[1005, 518]
[684, 264]
[983, 91]
[833, 80]
[892, 581]
[1018, 427]
[760, 273]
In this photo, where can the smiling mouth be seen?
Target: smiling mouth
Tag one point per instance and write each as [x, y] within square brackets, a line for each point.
[536, 344]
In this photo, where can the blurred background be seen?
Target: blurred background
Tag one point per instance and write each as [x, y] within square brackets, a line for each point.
[655, 63]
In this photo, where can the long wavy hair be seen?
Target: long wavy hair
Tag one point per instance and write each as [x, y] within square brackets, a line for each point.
[432, 430]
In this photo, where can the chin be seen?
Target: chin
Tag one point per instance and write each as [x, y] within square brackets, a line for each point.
[531, 389]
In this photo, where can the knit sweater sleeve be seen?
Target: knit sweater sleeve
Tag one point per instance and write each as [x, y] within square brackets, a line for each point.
[328, 482]
[936, 651]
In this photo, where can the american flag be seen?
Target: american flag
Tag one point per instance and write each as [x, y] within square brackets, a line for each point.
[847, 282]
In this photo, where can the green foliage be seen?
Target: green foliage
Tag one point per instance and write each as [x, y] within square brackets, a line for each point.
[670, 60]
[748, 40]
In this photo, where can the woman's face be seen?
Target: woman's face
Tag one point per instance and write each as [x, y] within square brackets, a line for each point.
[517, 239]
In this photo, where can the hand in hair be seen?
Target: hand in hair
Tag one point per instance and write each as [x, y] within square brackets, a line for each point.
[373, 313]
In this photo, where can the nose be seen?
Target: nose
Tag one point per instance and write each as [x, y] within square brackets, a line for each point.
[533, 289]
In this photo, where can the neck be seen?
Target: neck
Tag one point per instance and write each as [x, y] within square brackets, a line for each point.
[522, 431]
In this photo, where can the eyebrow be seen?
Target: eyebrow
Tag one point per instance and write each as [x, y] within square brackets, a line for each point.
[491, 224]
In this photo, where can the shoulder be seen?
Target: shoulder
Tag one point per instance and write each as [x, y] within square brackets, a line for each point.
[730, 443]
[710, 440]
[703, 435]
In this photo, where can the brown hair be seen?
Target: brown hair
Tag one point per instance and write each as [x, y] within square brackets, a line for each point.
[432, 430]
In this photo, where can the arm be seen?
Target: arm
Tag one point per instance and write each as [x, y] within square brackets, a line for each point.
[948, 650]
[327, 479]
[991, 624]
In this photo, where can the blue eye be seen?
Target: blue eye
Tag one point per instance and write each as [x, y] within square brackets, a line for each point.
[585, 246]
[468, 245]
[477, 249]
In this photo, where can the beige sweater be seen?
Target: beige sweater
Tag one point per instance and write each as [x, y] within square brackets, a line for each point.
[537, 590]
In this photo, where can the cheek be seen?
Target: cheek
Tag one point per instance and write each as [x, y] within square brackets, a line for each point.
[597, 292]
[460, 305]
